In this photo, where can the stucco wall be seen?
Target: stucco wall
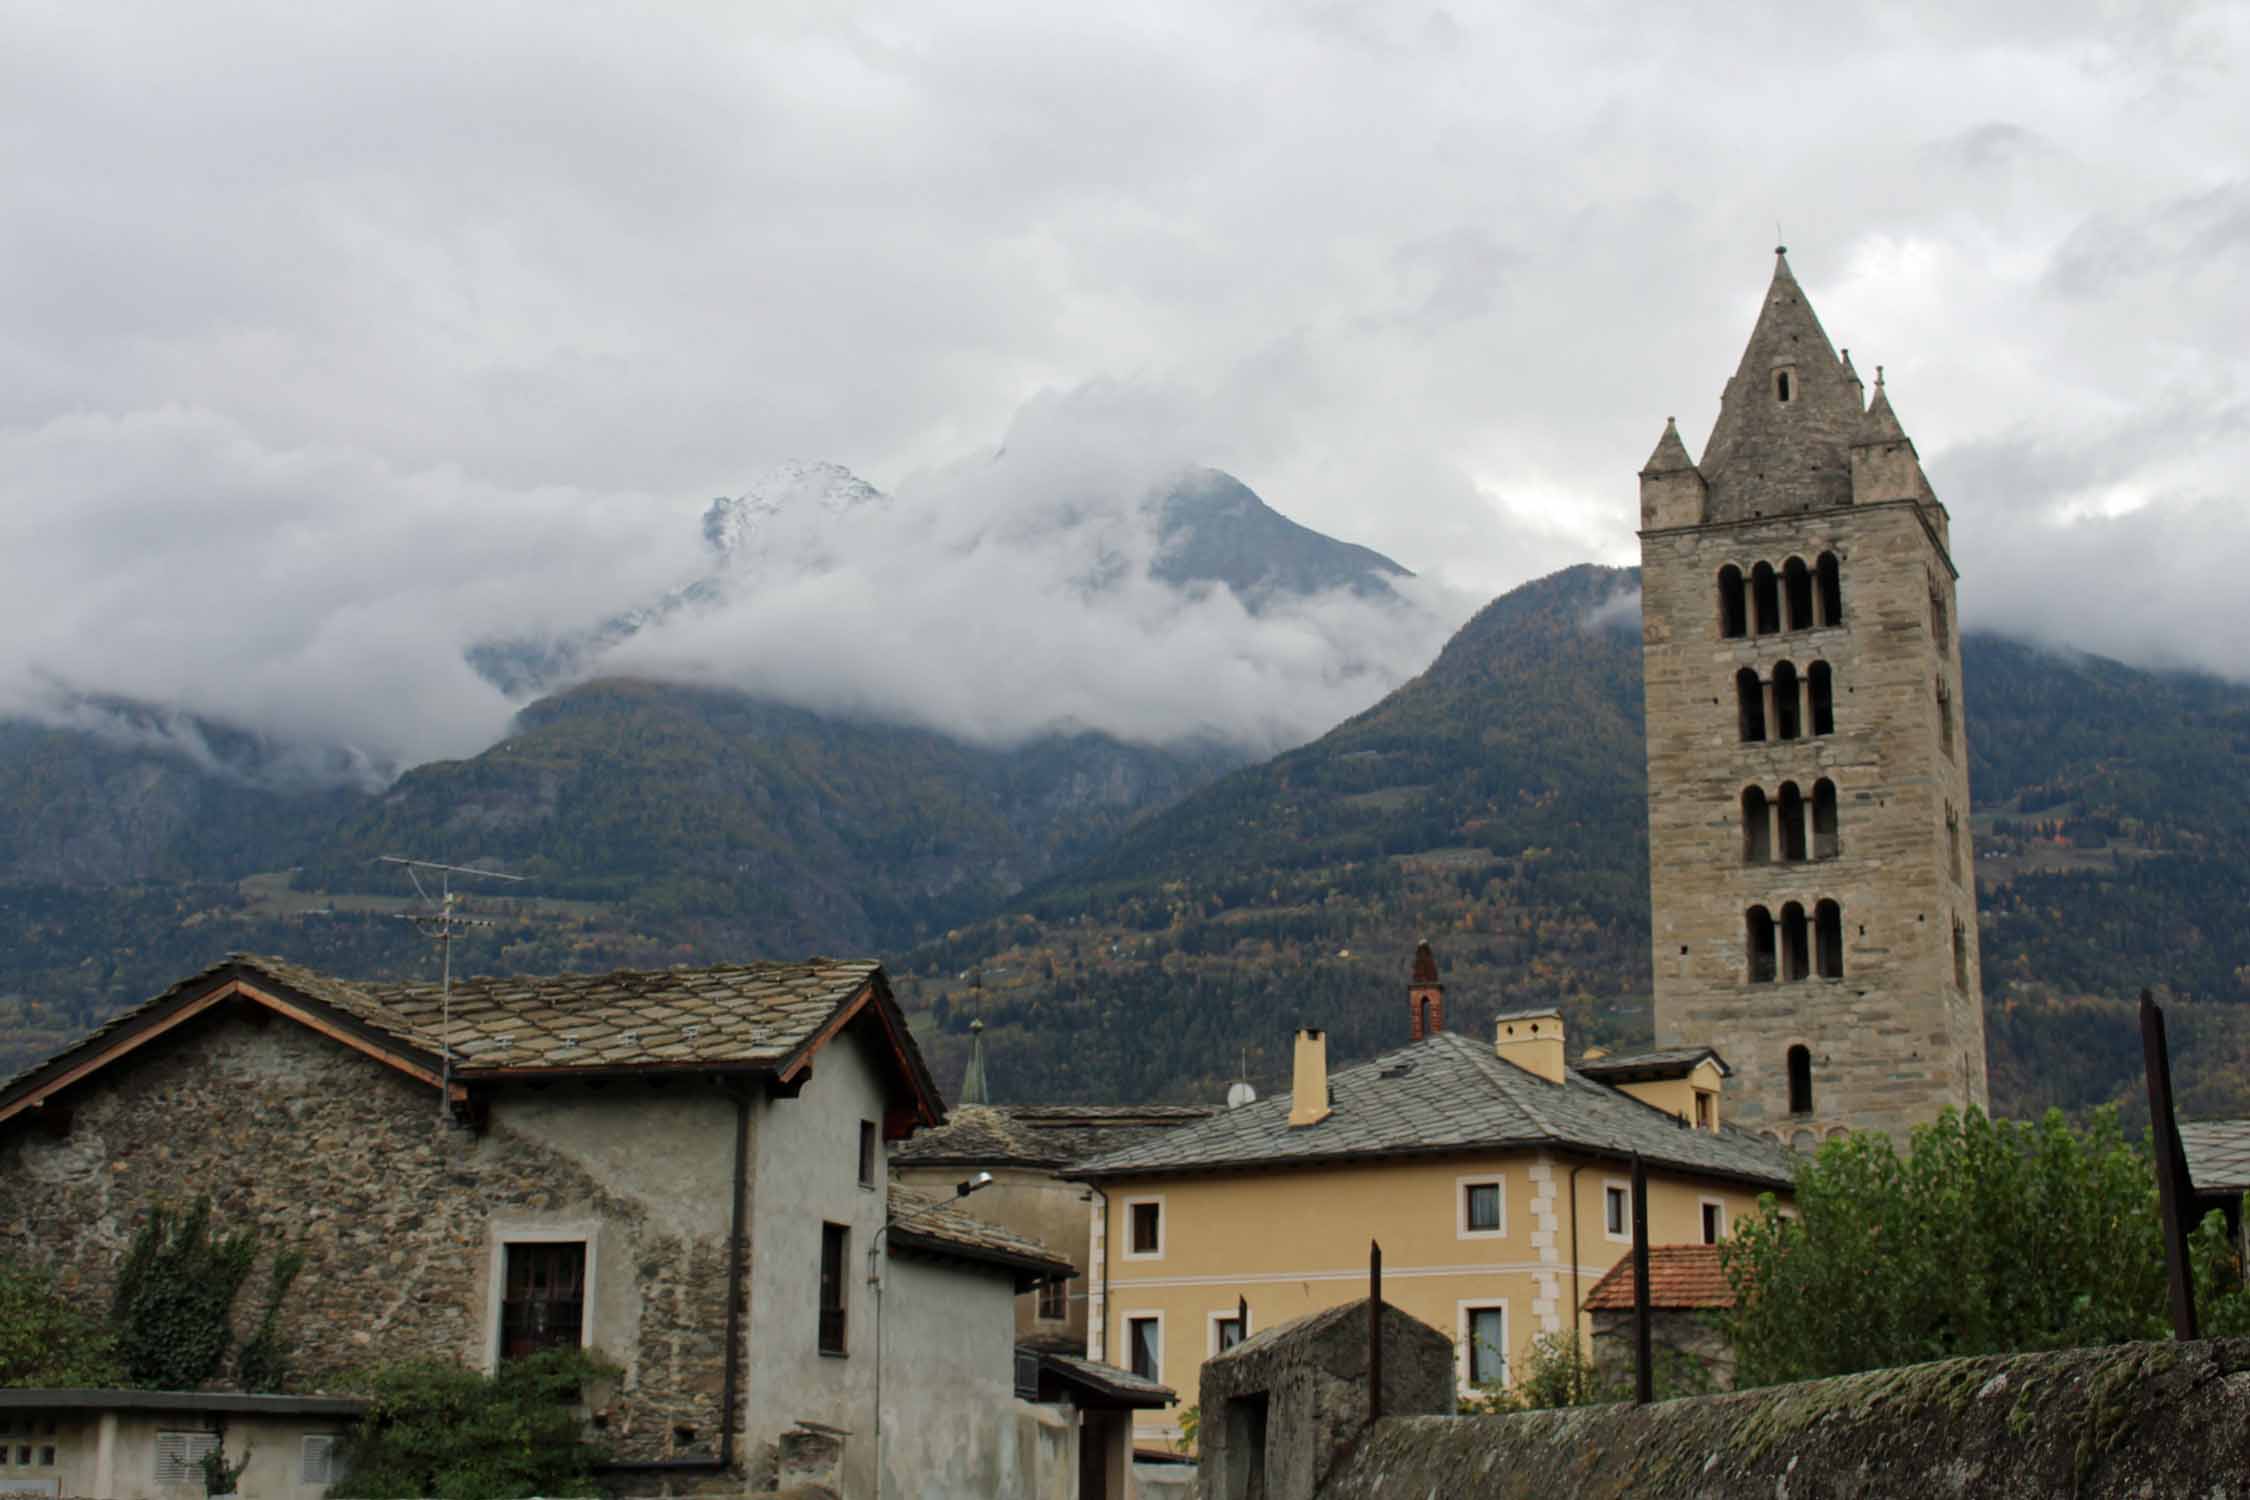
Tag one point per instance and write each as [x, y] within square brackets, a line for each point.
[112, 1455]
[318, 1147]
[1295, 1242]
[806, 1174]
[2140, 1420]
[951, 1423]
[1035, 1204]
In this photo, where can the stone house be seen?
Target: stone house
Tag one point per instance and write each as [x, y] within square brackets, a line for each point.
[1281, 1407]
[1687, 1287]
[684, 1170]
[1496, 1176]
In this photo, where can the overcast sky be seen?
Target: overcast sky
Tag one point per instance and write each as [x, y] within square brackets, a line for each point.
[333, 334]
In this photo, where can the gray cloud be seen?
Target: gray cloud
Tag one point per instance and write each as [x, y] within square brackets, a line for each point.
[333, 336]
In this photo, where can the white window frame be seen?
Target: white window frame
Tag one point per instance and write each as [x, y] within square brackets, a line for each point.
[1125, 1322]
[1623, 1185]
[1039, 1311]
[1464, 1361]
[1717, 1203]
[194, 1443]
[496, 1275]
[1163, 1220]
[1461, 1186]
[323, 1444]
[1222, 1315]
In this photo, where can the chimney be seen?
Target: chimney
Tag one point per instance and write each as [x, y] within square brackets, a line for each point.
[1308, 1103]
[1532, 1040]
[1425, 997]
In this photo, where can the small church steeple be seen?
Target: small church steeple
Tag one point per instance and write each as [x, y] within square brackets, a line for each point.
[973, 1089]
[1425, 995]
[1672, 488]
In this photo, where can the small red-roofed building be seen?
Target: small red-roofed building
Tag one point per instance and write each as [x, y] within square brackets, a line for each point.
[1687, 1290]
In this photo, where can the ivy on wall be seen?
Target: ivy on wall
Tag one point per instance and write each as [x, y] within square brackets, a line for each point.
[173, 1314]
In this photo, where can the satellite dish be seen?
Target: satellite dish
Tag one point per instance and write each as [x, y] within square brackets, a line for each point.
[1239, 1094]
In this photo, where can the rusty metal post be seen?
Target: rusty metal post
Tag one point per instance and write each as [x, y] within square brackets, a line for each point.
[2173, 1190]
[1374, 1332]
[1644, 1363]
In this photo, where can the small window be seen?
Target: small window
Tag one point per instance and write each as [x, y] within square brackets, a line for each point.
[1749, 706]
[1828, 581]
[1796, 943]
[1054, 1301]
[1706, 1110]
[1145, 1233]
[835, 1248]
[868, 1153]
[1788, 703]
[1027, 1375]
[1828, 940]
[1781, 385]
[1734, 613]
[179, 1456]
[1826, 843]
[1226, 1332]
[1759, 935]
[1792, 823]
[1800, 1081]
[1488, 1345]
[1757, 827]
[1797, 593]
[1765, 599]
[1144, 1337]
[1617, 1211]
[1480, 1208]
[1820, 688]
[1714, 1222]
[544, 1305]
[316, 1459]
[1960, 954]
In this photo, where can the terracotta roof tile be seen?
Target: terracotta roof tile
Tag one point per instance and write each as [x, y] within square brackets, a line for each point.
[1678, 1276]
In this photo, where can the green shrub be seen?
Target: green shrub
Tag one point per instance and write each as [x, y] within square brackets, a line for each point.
[45, 1341]
[446, 1431]
[175, 1299]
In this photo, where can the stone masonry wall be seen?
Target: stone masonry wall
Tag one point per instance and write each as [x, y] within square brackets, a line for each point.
[320, 1148]
[2135, 1420]
[1897, 1038]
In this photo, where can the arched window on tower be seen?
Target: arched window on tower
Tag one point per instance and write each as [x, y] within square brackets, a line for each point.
[1750, 705]
[1953, 841]
[1765, 599]
[1939, 631]
[1960, 955]
[1945, 718]
[1797, 593]
[1820, 687]
[1734, 622]
[1788, 705]
[1757, 826]
[1828, 940]
[1796, 943]
[1758, 924]
[1792, 823]
[1800, 1081]
[1825, 841]
[1828, 579]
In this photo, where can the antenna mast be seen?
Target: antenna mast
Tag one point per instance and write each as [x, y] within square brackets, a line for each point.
[443, 924]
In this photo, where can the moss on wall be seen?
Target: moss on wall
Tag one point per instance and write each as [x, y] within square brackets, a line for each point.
[2133, 1419]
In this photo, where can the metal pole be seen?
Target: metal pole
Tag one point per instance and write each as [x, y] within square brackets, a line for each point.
[2173, 1190]
[1644, 1368]
[1374, 1332]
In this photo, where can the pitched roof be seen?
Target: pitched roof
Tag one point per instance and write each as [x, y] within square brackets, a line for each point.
[1678, 1276]
[1640, 1067]
[1038, 1135]
[1447, 1095]
[760, 1017]
[2218, 1154]
[1109, 1385]
[935, 1226]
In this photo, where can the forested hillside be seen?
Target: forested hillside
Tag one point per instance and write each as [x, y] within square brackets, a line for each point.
[1495, 806]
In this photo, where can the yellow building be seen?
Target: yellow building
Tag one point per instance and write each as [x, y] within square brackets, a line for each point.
[1496, 1178]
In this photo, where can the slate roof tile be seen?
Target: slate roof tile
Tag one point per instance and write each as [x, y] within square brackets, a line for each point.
[2218, 1154]
[1448, 1094]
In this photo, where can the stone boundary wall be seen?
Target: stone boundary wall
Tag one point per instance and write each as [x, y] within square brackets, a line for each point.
[2154, 1420]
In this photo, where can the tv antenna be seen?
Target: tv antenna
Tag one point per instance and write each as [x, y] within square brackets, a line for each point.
[442, 924]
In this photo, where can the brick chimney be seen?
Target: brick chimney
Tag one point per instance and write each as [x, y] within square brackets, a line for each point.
[1532, 1040]
[1308, 1101]
[1425, 997]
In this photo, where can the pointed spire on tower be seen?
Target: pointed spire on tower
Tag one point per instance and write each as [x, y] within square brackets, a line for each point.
[1852, 375]
[1671, 455]
[1881, 424]
[1787, 416]
[972, 1082]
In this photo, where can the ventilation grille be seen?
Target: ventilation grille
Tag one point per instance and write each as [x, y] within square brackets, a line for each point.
[179, 1456]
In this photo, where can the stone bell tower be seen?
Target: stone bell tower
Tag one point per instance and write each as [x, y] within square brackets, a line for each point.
[1813, 896]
